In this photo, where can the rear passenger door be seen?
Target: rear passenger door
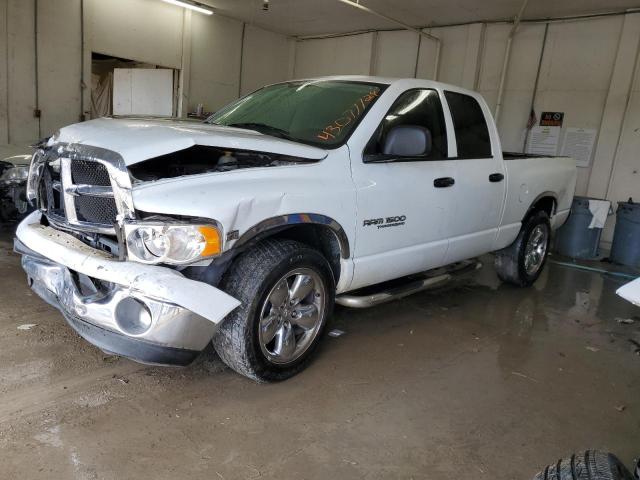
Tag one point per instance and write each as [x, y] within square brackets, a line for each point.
[479, 176]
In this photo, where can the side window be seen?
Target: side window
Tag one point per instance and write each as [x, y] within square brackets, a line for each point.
[472, 134]
[419, 107]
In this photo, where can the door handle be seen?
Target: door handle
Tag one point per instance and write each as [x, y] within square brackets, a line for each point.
[443, 182]
[496, 177]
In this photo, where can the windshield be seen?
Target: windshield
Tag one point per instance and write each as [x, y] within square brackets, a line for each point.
[319, 112]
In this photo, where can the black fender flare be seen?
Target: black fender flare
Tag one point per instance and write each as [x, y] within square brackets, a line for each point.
[281, 222]
[540, 197]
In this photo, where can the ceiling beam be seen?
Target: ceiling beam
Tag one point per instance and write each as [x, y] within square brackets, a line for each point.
[357, 4]
[422, 33]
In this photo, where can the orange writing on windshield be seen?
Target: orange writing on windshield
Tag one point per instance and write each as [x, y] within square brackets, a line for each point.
[351, 114]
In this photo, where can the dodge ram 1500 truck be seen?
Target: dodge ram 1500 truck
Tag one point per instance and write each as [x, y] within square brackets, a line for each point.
[156, 237]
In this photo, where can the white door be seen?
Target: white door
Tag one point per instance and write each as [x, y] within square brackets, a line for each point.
[403, 203]
[479, 176]
[143, 91]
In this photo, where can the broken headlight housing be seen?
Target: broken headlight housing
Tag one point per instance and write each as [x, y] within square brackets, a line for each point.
[176, 244]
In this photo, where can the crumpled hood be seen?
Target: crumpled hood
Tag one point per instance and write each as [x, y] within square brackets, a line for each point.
[139, 139]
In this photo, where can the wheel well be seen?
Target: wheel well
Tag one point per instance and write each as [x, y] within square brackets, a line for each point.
[320, 237]
[546, 204]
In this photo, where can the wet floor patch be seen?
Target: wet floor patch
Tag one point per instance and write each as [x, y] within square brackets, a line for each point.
[473, 380]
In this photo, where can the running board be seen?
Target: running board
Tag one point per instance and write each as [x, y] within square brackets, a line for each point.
[431, 279]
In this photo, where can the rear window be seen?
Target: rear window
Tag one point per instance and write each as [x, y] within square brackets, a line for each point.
[472, 134]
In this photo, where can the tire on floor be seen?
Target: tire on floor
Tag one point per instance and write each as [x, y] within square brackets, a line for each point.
[588, 465]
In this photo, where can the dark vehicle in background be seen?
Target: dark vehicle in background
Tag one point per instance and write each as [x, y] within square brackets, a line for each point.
[14, 169]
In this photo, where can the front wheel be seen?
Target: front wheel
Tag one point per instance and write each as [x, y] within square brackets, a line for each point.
[521, 262]
[287, 291]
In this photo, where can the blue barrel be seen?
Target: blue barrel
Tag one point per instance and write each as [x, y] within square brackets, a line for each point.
[575, 239]
[625, 249]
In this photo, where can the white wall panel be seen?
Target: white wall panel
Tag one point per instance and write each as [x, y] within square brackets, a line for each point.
[396, 54]
[265, 58]
[625, 182]
[458, 55]
[4, 73]
[23, 126]
[519, 82]
[334, 56]
[59, 74]
[215, 61]
[615, 107]
[149, 31]
[427, 57]
[576, 73]
[624, 167]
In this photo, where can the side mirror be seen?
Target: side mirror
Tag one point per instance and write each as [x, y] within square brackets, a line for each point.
[407, 141]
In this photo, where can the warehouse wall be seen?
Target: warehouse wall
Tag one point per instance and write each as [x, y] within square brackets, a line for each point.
[349, 55]
[145, 30]
[268, 58]
[207, 49]
[586, 70]
[59, 92]
[18, 71]
[216, 44]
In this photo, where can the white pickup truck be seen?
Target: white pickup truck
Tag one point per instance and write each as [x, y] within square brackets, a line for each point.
[155, 237]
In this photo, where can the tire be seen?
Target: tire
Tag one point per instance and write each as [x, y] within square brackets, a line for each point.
[588, 465]
[255, 278]
[511, 262]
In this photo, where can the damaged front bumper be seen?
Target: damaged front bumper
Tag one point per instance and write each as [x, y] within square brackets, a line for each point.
[148, 313]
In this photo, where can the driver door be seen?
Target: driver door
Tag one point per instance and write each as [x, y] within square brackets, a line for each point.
[404, 202]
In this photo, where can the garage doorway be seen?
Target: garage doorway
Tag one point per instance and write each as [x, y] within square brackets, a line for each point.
[121, 86]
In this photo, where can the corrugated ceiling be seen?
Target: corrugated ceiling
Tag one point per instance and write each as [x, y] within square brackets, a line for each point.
[315, 17]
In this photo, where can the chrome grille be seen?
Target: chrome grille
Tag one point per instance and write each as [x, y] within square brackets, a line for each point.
[87, 191]
[99, 210]
[89, 206]
[89, 173]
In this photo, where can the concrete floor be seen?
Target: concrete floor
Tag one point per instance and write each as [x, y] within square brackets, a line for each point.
[475, 380]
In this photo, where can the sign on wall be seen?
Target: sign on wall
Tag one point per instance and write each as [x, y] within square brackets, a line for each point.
[551, 119]
[578, 143]
[544, 141]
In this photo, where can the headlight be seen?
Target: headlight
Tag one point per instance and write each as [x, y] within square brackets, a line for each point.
[175, 244]
[35, 170]
[15, 175]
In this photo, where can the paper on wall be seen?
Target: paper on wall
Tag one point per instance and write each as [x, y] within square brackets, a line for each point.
[543, 141]
[578, 143]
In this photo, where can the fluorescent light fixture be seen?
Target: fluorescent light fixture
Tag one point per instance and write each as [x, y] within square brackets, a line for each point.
[198, 7]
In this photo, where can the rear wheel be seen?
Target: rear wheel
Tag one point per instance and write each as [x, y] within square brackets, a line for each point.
[521, 262]
[589, 465]
[287, 291]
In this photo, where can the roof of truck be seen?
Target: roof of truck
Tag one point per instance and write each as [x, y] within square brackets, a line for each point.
[385, 81]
